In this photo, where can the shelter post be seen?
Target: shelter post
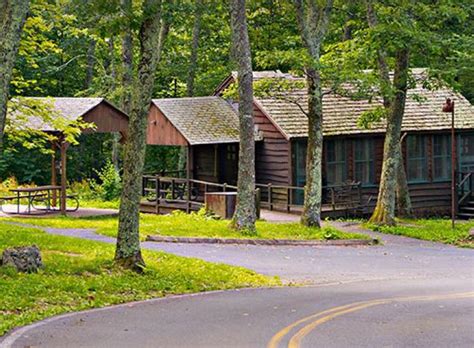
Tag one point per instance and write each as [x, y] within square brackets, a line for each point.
[188, 178]
[63, 176]
[54, 176]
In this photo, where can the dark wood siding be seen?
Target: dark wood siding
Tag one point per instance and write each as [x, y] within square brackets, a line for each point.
[160, 131]
[272, 154]
[204, 163]
[107, 119]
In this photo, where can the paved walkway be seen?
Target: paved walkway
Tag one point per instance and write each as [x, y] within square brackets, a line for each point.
[10, 209]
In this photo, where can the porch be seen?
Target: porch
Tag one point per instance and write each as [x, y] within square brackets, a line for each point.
[164, 194]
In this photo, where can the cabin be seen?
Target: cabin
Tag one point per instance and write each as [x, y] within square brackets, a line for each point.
[352, 158]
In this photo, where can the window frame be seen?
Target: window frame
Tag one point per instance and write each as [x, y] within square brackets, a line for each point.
[446, 157]
[370, 160]
[343, 144]
[425, 158]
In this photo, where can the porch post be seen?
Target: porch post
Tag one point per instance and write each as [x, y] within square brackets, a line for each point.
[188, 178]
[53, 173]
[63, 176]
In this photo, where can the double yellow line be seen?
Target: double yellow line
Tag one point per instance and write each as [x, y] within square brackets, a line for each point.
[322, 317]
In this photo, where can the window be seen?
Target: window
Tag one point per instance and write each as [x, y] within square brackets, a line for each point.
[336, 172]
[417, 170]
[441, 157]
[466, 152]
[364, 161]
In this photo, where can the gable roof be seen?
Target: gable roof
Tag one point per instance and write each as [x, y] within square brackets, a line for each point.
[341, 113]
[69, 108]
[201, 120]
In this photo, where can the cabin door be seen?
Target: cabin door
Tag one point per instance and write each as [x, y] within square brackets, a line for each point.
[229, 158]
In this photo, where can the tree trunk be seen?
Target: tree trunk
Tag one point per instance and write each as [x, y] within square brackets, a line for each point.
[12, 18]
[90, 64]
[245, 214]
[128, 252]
[313, 190]
[127, 57]
[194, 49]
[402, 194]
[384, 212]
[313, 22]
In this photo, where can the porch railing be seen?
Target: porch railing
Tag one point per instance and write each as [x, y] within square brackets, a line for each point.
[170, 191]
[465, 186]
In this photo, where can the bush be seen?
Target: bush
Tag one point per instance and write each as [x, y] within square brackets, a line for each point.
[110, 185]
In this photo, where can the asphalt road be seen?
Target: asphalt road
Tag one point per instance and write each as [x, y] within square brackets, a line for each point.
[405, 293]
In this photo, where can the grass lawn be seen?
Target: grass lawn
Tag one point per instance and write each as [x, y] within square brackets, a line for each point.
[437, 230]
[80, 274]
[193, 225]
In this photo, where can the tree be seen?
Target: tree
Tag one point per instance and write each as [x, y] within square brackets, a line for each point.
[12, 18]
[313, 21]
[402, 193]
[194, 48]
[128, 252]
[384, 212]
[245, 214]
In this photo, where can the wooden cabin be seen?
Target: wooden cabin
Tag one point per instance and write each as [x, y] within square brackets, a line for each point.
[209, 127]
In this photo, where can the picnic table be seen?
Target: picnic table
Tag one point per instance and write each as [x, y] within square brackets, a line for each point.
[44, 195]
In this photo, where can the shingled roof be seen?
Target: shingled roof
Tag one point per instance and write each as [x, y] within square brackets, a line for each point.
[68, 108]
[201, 120]
[341, 113]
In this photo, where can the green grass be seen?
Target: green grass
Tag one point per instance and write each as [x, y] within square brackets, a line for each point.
[437, 230]
[194, 225]
[80, 274]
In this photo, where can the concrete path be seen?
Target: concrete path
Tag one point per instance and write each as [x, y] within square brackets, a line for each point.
[426, 290]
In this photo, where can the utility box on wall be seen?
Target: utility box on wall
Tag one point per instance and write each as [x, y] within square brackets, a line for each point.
[221, 203]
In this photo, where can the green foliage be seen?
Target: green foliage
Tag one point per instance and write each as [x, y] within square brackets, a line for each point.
[110, 183]
[80, 274]
[436, 230]
[198, 224]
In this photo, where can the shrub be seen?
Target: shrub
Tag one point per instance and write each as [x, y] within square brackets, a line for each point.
[110, 185]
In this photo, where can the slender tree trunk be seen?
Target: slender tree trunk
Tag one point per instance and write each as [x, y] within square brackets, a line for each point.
[384, 212]
[313, 21]
[245, 214]
[90, 64]
[12, 18]
[194, 48]
[313, 190]
[128, 252]
[402, 193]
[127, 57]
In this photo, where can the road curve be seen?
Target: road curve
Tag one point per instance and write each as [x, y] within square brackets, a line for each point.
[404, 293]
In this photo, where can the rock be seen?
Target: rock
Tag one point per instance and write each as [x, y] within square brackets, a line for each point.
[471, 234]
[24, 259]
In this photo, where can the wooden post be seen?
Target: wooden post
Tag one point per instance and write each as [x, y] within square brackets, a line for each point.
[453, 170]
[333, 199]
[288, 199]
[63, 176]
[158, 194]
[270, 205]
[54, 178]
[188, 178]
[258, 198]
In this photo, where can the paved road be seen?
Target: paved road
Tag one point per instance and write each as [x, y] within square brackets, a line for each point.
[403, 293]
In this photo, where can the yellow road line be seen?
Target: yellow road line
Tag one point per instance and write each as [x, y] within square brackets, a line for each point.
[334, 312]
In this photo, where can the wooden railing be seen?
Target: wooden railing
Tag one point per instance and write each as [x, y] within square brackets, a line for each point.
[166, 191]
[465, 186]
[342, 196]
